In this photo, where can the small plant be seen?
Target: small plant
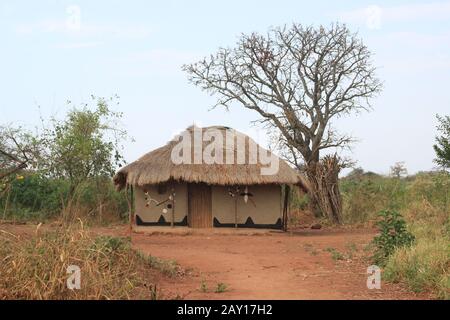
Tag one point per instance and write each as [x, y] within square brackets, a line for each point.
[221, 287]
[203, 286]
[335, 255]
[167, 267]
[111, 244]
[393, 234]
[154, 294]
[351, 249]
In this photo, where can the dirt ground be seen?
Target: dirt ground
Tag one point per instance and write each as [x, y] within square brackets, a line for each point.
[303, 264]
[296, 265]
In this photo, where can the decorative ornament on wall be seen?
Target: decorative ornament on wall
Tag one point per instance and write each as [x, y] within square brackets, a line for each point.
[235, 191]
[248, 196]
[170, 201]
[149, 199]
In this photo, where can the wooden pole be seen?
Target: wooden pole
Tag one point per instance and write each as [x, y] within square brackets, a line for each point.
[286, 206]
[235, 212]
[127, 189]
[133, 206]
[172, 222]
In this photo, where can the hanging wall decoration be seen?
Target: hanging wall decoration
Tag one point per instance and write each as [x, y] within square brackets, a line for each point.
[170, 199]
[149, 199]
[235, 191]
[248, 196]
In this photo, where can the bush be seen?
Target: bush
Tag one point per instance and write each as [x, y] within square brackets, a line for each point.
[33, 196]
[36, 197]
[393, 235]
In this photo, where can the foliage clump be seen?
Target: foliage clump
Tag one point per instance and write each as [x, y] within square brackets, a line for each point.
[393, 235]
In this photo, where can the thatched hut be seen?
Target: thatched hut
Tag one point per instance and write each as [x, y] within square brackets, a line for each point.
[203, 195]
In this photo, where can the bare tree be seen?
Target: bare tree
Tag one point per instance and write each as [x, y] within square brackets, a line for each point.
[297, 79]
[398, 170]
[19, 149]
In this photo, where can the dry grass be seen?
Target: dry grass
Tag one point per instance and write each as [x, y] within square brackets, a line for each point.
[425, 266]
[36, 267]
[424, 202]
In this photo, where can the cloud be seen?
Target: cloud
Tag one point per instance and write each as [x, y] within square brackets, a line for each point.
[374, 16]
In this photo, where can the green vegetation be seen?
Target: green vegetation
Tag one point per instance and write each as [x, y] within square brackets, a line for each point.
[221, 287]
[64, 170]
[34, 197]
[335, 254]
[442, 146]
[203, 286]
[416, 206]
[351, 248]
[167, 267]
[393, 235]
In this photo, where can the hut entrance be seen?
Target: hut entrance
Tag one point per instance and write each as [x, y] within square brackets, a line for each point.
[200, 205]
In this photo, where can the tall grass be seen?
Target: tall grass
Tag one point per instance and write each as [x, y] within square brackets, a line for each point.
[363, 197]
[424, 202]
[35, 267]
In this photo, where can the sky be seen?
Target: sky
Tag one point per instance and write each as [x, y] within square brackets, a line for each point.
[54, 51]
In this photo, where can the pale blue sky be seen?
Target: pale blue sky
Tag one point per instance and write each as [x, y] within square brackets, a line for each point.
[135, 49]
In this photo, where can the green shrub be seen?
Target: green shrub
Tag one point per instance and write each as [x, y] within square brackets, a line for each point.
[37, 197]
[393, 235]
[298, 200]
[424, 202]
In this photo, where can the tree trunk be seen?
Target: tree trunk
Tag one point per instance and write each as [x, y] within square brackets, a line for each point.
[325, 196]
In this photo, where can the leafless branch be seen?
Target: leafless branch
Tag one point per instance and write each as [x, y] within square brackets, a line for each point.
[297, 79]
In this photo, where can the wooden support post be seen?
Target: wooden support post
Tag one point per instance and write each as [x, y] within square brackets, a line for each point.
[286, 206]
[130, 218]
[235, 212]
[133, 206]
[172, 222]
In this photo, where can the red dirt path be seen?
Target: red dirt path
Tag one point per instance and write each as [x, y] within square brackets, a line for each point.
[272, 266]
[295, 265]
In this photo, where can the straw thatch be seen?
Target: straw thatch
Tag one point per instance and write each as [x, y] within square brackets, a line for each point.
[156, 167]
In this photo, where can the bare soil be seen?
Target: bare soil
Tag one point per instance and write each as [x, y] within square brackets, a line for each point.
[302, 264]
[295, 265]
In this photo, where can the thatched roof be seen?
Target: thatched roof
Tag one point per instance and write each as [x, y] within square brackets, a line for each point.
[157, 167]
